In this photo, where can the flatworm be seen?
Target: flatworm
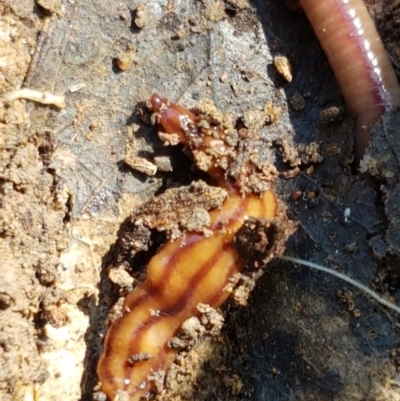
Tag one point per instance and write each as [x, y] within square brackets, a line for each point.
[189, 271]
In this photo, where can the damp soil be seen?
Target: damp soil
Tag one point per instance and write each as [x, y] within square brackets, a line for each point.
[67, 194]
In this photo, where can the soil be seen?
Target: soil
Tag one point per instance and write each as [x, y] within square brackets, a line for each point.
[67, 193]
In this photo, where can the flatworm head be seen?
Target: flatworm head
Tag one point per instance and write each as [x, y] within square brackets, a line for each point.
[174, 118]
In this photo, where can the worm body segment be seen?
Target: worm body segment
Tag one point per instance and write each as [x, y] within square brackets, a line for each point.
[358, 59]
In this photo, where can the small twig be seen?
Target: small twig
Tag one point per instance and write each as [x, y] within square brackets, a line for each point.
[36, 96]
[42, 40]
[344, 278]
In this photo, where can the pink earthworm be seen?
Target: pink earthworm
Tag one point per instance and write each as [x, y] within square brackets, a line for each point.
[359, 61]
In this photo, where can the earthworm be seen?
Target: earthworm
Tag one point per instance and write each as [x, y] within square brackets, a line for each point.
[358, 59]
[195, 269]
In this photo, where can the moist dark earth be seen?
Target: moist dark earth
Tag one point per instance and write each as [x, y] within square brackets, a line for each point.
[66, 190]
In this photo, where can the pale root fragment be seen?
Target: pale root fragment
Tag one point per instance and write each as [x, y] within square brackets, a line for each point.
[36, 96]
